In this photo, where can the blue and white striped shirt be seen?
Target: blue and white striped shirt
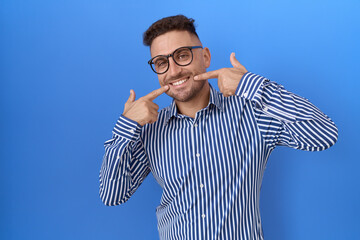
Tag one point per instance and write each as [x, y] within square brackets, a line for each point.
[211, 167]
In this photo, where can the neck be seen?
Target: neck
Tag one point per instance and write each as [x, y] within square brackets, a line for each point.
[200, 101]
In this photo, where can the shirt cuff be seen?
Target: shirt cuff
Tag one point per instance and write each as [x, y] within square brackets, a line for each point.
[127, 128]
[249, 85]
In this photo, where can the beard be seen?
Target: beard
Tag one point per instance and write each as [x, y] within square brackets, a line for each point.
[189, 92]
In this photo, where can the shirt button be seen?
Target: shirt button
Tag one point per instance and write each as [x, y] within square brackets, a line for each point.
[198, 155]
[195, 125]
[265, 109]
[201, 185]
[245, 94]
[203, 216]
[132, 130]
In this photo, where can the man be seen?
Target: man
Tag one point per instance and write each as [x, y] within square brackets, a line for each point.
[207, 150]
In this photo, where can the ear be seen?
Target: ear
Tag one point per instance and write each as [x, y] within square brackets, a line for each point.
[207, 57]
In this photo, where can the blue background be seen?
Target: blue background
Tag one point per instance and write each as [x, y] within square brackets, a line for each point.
[66, 68]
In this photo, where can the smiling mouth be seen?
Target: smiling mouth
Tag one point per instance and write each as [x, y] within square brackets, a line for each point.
[179, 82]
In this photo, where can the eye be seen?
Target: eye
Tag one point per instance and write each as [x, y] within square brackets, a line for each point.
[160, 63]
[183, 55]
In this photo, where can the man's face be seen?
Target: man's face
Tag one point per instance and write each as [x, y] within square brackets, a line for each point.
[188, 88]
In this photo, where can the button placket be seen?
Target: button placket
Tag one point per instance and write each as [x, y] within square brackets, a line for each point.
[197, 130]
[200, 156]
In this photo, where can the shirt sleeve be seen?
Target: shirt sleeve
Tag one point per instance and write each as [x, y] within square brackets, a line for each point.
[286, 118]
[124, 165]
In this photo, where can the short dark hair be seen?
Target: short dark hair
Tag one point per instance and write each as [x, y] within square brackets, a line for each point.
[164, 25]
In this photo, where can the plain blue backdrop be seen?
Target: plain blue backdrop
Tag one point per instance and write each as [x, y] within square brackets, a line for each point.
[66, 68]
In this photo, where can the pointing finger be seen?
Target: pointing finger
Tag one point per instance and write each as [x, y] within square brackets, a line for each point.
[234, 61]
[207, 75]
[154, 94]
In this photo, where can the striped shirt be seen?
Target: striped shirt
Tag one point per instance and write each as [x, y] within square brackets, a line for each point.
[211, 167]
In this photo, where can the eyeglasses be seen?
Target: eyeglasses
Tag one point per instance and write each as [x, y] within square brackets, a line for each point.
[182, 56]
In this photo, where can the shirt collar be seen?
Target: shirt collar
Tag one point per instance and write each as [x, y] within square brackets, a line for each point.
[215, 99]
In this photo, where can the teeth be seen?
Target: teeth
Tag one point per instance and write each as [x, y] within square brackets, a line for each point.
[179, 82]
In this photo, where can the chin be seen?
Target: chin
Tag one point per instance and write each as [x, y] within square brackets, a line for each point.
[182, 97]
[188, 95]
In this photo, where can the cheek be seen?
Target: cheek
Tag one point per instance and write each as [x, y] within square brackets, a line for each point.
[199, 68]
[161, 80]
[200, 65]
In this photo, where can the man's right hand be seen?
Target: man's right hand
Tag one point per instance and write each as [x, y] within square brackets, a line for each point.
[143, 110]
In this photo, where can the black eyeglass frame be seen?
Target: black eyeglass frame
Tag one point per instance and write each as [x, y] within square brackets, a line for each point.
[150, 62]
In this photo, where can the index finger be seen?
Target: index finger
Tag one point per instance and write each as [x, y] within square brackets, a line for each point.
[154, 94]
[207, 75]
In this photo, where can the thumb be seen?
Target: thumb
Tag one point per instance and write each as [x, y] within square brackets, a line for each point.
[131, 97]
[234, 61]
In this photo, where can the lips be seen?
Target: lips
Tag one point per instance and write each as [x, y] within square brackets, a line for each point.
[179, 82]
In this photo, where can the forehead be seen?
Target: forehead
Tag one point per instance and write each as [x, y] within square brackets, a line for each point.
[168, 42]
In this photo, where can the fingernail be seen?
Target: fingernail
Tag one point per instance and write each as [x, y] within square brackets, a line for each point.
[196, 77]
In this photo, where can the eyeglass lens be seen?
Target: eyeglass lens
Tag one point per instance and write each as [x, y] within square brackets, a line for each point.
[182, 57]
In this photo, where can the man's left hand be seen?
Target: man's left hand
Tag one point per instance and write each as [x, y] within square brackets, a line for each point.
[228, 78]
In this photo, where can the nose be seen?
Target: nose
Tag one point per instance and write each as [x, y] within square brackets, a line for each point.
[174, 69]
